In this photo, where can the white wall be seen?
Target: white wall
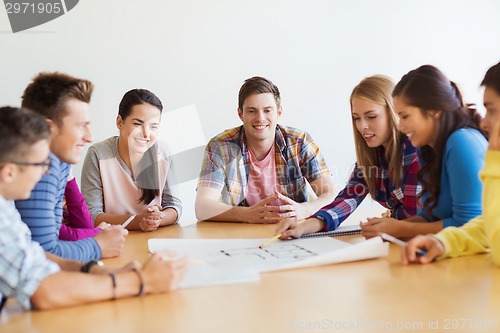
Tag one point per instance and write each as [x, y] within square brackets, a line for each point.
[199, 52]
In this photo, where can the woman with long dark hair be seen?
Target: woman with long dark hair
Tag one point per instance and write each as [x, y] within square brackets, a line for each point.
[451, 153]
[482, 234]
[126, 175]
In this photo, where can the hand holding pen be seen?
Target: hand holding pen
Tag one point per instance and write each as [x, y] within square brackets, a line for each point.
[432, 246]
[399, 242]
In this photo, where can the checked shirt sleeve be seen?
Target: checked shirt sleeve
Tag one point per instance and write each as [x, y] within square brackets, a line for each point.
[346, 201]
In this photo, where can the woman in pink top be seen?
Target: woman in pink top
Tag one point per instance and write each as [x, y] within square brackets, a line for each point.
[77, 221]
[126, 175]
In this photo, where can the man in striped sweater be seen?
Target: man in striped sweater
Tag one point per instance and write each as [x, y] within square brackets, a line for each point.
[64, 102]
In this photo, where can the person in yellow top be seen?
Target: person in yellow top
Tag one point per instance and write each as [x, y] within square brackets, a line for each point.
[481, 234]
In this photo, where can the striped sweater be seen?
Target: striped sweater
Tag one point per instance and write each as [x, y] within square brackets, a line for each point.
[43, 211]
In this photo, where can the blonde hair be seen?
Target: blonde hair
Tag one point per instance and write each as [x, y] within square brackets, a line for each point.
[378, 89]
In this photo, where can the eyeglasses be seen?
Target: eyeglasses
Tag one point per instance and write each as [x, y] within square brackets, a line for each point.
[45, 164]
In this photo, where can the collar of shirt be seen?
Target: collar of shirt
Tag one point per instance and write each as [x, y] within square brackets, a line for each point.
[279, 139]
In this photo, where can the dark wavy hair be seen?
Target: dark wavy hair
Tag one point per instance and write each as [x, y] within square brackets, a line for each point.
[428, 89]
[492, 78]
[147, 178]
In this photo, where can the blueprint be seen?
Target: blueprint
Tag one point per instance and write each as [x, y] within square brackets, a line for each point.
[220, 261]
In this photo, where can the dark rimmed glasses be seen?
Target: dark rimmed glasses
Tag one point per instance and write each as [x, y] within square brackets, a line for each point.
[45, 165]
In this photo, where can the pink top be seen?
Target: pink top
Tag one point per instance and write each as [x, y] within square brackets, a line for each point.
[77, 221]
[262, 178]
[110, 187]
[120, 192]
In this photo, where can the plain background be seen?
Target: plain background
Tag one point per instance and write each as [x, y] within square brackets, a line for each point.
[197, 54]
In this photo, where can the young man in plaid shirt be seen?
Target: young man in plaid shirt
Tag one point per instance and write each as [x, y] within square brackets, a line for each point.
[258, 172]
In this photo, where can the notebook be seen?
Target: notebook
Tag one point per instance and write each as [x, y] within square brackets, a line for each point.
[342, 230]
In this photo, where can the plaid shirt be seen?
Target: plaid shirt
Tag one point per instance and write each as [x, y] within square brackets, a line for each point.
[403, 201]
[225, 164]
[23, 264]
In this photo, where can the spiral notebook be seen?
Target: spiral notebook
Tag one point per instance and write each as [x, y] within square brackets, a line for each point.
[343, 230]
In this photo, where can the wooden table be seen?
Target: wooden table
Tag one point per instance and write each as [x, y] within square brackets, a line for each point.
[458, 295]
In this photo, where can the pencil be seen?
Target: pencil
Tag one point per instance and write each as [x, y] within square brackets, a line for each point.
[399, 242]
[269, 241]
[126, 223]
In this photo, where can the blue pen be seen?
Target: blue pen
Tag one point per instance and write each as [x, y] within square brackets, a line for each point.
[400, 242]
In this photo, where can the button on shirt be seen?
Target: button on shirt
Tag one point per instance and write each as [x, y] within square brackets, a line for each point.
[23, 264]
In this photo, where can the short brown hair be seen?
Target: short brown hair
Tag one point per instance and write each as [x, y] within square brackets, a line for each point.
[257, 85]
[48, 92]
[20, 130]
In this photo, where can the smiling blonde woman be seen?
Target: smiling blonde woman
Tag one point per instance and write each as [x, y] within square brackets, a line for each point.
[386, 167]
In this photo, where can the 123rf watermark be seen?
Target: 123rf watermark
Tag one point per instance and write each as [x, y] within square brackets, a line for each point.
[26, 14]
[447, 324]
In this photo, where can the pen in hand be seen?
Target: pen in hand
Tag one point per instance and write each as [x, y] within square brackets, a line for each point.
[400, 242]
[127, 222]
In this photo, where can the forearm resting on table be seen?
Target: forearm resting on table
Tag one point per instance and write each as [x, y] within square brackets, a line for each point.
[211, 210]
[170, 215]
[118, 219]
[65, 264]
[414, 228]
[416, 218]
[58, 290]
[311, 225]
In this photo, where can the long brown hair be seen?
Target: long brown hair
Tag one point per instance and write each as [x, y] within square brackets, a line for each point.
[147, 179]
[428, 89]
[378, 89]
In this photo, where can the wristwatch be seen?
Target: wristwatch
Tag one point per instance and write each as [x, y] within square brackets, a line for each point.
[86, 268]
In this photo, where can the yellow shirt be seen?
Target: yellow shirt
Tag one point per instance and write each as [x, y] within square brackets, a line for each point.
[481, 234]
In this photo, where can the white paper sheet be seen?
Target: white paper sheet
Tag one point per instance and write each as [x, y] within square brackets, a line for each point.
[239, 260]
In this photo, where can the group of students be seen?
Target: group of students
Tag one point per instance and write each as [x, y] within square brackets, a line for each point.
[48, 233]
[419, 151]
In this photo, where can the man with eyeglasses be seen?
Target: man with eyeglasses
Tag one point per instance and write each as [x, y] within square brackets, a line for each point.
[42, 280]
[64, 102]
[45, 165]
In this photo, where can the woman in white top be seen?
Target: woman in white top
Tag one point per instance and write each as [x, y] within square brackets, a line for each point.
[126, 175]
